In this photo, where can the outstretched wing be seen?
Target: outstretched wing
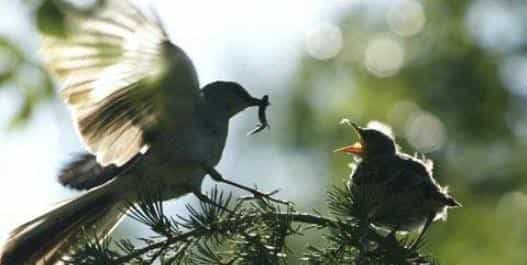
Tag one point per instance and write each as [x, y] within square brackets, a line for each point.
[122, 78]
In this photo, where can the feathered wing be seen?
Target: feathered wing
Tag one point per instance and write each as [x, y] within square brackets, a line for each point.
[416, 178]
[122, 78]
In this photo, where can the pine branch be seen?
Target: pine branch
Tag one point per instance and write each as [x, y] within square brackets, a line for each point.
[226, 231]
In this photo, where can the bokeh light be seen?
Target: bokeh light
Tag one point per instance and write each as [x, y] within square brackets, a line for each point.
[406, 17]
[324, 41]
[384, 56]
[519, 128]
[512, 210]
[400, 112]
[84, 4]
[513, 72]
[425, 132]
[493, 25]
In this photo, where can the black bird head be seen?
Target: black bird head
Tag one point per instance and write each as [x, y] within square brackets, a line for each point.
[371, 143]
[230, 98]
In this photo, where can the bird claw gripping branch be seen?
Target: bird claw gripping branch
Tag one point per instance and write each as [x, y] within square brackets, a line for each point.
[262, 116]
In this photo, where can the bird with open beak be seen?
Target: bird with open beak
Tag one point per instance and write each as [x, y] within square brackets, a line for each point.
[401, 192]
[146, 125]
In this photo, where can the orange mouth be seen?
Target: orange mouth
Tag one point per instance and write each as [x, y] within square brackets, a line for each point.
[356, 149]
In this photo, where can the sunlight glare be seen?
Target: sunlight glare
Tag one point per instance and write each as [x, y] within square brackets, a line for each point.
[513, 72]
[406, 17]
[495, 25]
[384, 56]
[400, 112]
[425, 132]
[324, 42]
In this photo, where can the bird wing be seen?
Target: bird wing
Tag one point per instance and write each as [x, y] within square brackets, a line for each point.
[409, 174]
[122, 78]
[415, 176]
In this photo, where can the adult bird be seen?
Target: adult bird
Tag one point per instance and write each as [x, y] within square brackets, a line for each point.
[400, 191]
[136, 104]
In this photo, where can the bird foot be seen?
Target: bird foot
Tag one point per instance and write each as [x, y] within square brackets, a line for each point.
[258, 195]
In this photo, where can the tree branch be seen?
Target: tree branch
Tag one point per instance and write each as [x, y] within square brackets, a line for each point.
[305, 218]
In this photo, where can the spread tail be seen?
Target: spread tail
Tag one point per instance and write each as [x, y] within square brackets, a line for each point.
[47, 238]
[451, 202]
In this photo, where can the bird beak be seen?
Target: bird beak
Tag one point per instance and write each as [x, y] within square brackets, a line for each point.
[256, 102]
[355, 149]
[262, 107]
[358, 147]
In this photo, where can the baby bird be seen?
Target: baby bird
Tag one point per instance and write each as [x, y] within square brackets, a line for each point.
[401, 193]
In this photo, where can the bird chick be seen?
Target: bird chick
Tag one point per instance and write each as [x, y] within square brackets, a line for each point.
[401, 192]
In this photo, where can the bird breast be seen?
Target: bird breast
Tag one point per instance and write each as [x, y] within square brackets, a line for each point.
[200, 142]
[175, 160]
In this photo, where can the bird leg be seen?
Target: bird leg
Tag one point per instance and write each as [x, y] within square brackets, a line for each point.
[214, 174]
[428, 222]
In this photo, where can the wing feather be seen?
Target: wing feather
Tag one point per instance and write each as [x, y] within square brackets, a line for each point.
[121, 77]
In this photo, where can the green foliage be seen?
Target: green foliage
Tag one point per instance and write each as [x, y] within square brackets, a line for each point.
[20, 71]
[29, 77]
[454, 77]
[50, 19]
[14, 58]
[227, 231]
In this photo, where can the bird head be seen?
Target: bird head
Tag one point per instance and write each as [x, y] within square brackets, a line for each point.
[371, 143]
[230, 98]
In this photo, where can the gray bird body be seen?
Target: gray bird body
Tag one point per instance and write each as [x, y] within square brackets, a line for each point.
[146, 125]
[200, 141]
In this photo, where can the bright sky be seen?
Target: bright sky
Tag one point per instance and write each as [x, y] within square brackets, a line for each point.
[253, 42]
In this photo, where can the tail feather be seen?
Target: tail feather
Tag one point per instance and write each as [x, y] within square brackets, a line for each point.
[45, 239]
[85, 173]
[451, 202]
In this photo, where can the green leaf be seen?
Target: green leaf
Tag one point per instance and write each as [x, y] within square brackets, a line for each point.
[6, 46]
[10, 58]
[51, 19]
[5, 76]
[23, 114]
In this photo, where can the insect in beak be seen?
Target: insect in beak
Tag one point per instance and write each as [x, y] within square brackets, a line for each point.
[262, 107]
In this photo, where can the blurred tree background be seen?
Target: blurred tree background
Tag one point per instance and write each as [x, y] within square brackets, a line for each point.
[449, 76]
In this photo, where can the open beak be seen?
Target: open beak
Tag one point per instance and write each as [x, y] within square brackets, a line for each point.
[355, 149]
[262, 107]
[358, 147]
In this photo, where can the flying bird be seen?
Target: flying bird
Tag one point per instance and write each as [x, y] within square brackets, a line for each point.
[400, 189]
[145, 123]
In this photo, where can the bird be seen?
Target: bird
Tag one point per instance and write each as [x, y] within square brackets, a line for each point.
[145, 124]
[399, 190]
